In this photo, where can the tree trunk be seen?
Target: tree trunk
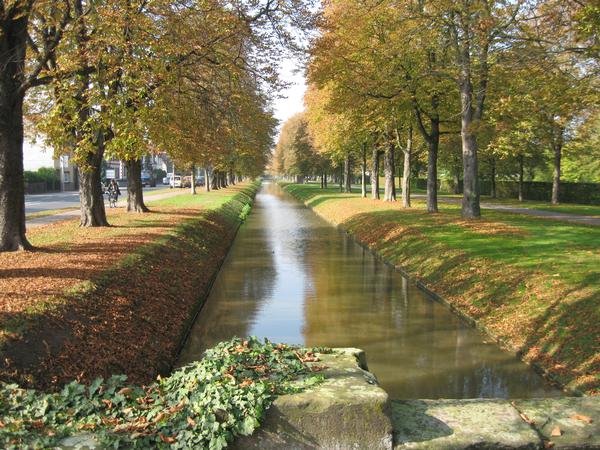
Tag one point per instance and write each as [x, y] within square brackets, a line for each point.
[135, 193]
[363, 172]
[493, 179]
[93, 213]
[456, 182]
[520, 178]
[470, 201]
[322, 182]
[389, 194]
[432, 138]
[556, 174]
[214, 182]
[341, 178]
[206, 179]
[325, 180]
[12, 189]
[193, 180]
[375, 174]
[406, 170]
[347, 174]
[432, 156]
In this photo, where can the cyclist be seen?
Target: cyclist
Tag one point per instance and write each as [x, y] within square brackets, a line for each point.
[113, 193]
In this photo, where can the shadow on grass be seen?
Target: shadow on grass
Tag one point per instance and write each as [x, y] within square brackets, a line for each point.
[485, 274]
[130, 317]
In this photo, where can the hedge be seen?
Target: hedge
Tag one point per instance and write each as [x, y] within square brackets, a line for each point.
[585, 193]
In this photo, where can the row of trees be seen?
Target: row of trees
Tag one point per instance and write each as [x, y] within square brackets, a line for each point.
[510, 83]
[122, 77]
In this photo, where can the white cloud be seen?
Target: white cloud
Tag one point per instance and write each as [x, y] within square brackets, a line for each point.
[292, 100]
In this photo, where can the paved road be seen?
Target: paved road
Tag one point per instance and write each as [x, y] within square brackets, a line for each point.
[574, 218]
[59, 200]
[66, 200]
[55, 200]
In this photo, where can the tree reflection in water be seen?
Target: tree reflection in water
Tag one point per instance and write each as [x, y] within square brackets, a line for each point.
[293, 278]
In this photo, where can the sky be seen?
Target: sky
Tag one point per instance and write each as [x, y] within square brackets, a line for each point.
[291, 102]
[36, 156]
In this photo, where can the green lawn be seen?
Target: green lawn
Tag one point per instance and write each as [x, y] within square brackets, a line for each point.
[567, 208]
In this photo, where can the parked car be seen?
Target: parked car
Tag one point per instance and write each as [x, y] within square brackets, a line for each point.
[175, 181]
[166, 180]
[186, 181]
[148, 181]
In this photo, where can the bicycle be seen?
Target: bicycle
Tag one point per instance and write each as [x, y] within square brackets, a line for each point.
[112, 197]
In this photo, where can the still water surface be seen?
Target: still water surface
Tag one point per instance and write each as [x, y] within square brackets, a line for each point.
[294, 278]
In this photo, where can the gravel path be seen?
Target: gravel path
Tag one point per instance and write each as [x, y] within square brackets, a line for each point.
[565, 217]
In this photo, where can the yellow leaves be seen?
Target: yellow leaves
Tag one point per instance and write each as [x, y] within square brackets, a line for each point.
[582, 418]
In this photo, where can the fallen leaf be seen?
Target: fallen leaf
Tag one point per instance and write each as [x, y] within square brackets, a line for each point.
[191, 422]
[167, 439]
[160, 416]
[581, 417]
[526, 419]
[125, 391]
[556, 431]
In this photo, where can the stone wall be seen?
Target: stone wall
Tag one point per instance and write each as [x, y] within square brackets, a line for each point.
[349, 410]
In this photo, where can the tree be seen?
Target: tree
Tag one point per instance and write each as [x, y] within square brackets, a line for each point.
[41, 25]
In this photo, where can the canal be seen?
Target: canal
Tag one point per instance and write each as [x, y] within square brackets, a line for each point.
[292, 277]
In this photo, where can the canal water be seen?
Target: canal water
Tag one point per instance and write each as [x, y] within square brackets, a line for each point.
[292, 277]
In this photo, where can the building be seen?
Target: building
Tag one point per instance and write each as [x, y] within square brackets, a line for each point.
[68, 172]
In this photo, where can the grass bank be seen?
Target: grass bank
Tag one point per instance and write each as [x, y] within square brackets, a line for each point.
[531, 283]
[94, 302]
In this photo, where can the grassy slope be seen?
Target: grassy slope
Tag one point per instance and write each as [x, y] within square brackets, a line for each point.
[534, 284]
[93, 302]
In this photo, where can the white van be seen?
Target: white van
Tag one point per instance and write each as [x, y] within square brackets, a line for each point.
[175, 181]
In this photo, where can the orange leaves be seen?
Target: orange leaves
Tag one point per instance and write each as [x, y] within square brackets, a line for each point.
[582, 418]
[134, 310]
[307, 357]
[191, 422]
[167, 439]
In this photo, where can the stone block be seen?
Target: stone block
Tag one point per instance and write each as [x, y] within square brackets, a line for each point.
[569, 415]
[460, 424]
[347, 411]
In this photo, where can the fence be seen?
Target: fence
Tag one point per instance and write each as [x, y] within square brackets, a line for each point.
[41, 187]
